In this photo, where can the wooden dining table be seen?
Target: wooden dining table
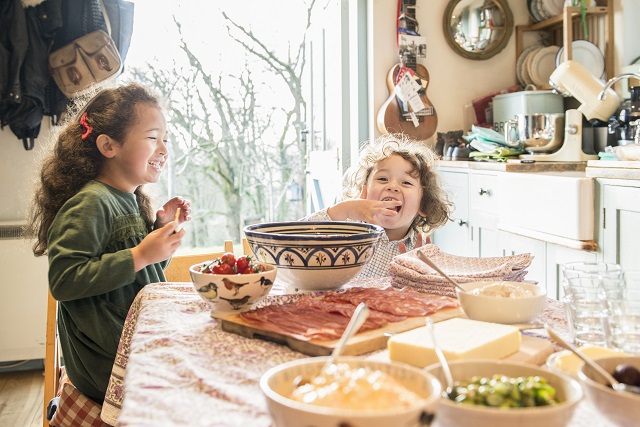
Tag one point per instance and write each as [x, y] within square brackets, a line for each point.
[175, 365]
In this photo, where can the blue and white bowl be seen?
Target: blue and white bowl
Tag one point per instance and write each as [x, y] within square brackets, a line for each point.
[314, 255]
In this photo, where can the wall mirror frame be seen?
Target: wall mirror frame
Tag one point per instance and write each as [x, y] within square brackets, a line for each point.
[477, 29]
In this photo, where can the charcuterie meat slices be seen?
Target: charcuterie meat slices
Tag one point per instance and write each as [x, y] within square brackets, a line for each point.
[325, 317]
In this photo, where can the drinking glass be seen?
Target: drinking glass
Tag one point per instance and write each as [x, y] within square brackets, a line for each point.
[623, 322]
[587, 316]
[580, 269]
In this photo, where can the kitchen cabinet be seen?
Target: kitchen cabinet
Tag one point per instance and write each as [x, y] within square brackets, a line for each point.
[619, 222]
[473, 229]
[513, 244]
[561, 30]
[484, 203]
[454, 237]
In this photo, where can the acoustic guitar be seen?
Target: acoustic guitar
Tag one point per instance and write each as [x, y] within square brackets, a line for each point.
[396, 115]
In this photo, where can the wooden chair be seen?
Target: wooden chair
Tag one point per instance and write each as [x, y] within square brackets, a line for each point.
[51, 357]
[178, 268]
[176, 271]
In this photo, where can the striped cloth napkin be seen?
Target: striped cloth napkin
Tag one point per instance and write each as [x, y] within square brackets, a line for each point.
[408, 270]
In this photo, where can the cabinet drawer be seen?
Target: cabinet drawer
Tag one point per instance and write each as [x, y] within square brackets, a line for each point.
[483, 193]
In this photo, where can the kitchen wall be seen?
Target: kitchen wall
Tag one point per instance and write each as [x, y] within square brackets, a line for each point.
[454, 82]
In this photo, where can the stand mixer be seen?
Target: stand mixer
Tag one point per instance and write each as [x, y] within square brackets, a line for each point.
[571, 148]
[598, 101]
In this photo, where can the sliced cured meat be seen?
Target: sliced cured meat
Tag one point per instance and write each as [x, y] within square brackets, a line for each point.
[310, 318]
[404, 302]
[326, 317]
[346, 308]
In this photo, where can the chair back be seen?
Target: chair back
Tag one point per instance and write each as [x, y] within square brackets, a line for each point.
[178, 268]
[51, 357]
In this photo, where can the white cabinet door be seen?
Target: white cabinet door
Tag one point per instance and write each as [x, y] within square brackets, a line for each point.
[483, 214]
[558, 255]
[621, 226]
[454, 237]
[513, 244]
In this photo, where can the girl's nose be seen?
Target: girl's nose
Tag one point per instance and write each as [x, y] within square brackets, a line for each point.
[162, 148]
[393, 186]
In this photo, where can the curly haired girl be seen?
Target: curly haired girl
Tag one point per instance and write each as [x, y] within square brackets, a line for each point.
[393, 185]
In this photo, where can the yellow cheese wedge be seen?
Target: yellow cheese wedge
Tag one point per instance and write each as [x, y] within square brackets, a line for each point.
[458, 338]
[570, 363]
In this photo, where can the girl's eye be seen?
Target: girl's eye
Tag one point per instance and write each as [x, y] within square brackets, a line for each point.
[382, 179]
[408, 183]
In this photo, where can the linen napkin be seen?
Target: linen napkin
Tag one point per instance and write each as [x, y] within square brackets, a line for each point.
[408, 270]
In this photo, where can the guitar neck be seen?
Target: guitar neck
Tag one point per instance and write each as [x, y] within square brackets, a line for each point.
[407, 18]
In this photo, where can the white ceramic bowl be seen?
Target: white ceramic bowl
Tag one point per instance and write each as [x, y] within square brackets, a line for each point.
[621, 408]
[501, 309]
[451, 414]
[314, 255]
[232, 293]
[278, 382]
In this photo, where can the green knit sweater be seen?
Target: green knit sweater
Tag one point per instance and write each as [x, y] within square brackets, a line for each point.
[91, 275]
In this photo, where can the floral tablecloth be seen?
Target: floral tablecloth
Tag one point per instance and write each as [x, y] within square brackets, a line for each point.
[175, 366]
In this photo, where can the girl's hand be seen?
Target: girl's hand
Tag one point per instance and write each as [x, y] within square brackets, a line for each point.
[362, 210]
[157, 246]
[167, 213]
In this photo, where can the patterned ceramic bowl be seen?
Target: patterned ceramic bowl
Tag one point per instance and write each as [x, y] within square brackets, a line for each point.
[277, 384]
[232, 293]
[314, 255]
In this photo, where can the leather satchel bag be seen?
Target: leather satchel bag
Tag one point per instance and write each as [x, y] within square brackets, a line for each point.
[88, 60]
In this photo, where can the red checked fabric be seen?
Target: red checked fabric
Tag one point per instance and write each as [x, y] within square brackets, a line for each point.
[76, 410]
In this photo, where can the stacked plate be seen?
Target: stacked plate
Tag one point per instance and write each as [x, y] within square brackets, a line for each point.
[535, 65]
[541, 10]
[586, 53]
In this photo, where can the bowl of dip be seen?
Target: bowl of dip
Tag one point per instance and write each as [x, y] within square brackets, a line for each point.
[502, 301]
[355, 392]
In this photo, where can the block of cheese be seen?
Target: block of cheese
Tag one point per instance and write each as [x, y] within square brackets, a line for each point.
[570, 363]
[458, 339]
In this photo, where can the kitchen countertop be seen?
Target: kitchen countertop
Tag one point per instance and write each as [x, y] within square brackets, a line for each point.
[612, 169]
[515, 166]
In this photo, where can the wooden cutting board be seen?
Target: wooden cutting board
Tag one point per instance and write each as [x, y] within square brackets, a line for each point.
[361, 343]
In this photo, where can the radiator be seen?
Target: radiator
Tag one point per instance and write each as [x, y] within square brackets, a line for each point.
[23, 296]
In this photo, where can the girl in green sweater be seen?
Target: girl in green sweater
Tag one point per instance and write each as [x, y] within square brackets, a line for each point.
[92, 218]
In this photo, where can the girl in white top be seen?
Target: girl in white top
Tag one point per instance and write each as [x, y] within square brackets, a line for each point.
[395, 186]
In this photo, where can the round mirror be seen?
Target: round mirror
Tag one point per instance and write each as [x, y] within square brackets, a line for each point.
[477, 29]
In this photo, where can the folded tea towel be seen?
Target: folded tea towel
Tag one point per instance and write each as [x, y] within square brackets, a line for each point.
[408, 270]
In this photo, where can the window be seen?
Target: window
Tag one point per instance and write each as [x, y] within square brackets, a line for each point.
[258, 92]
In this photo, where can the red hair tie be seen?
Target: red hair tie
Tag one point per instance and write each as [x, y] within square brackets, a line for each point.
[86, 127]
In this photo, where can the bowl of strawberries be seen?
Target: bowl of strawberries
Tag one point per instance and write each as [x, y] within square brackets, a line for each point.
[231, 284]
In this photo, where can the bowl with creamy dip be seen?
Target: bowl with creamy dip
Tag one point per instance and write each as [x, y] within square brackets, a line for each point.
[502, 301]
[354, 392]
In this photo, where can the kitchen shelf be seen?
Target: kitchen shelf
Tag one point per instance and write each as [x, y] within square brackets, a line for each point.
[563, 29]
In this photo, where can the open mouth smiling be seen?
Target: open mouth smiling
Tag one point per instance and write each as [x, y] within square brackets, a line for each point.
[156, 165]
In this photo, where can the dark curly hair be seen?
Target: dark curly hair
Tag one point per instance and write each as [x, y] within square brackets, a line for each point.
[75, 161]
[435, 203]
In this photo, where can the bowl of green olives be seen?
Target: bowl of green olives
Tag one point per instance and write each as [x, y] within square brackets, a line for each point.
[501, 393]
[620, 407]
